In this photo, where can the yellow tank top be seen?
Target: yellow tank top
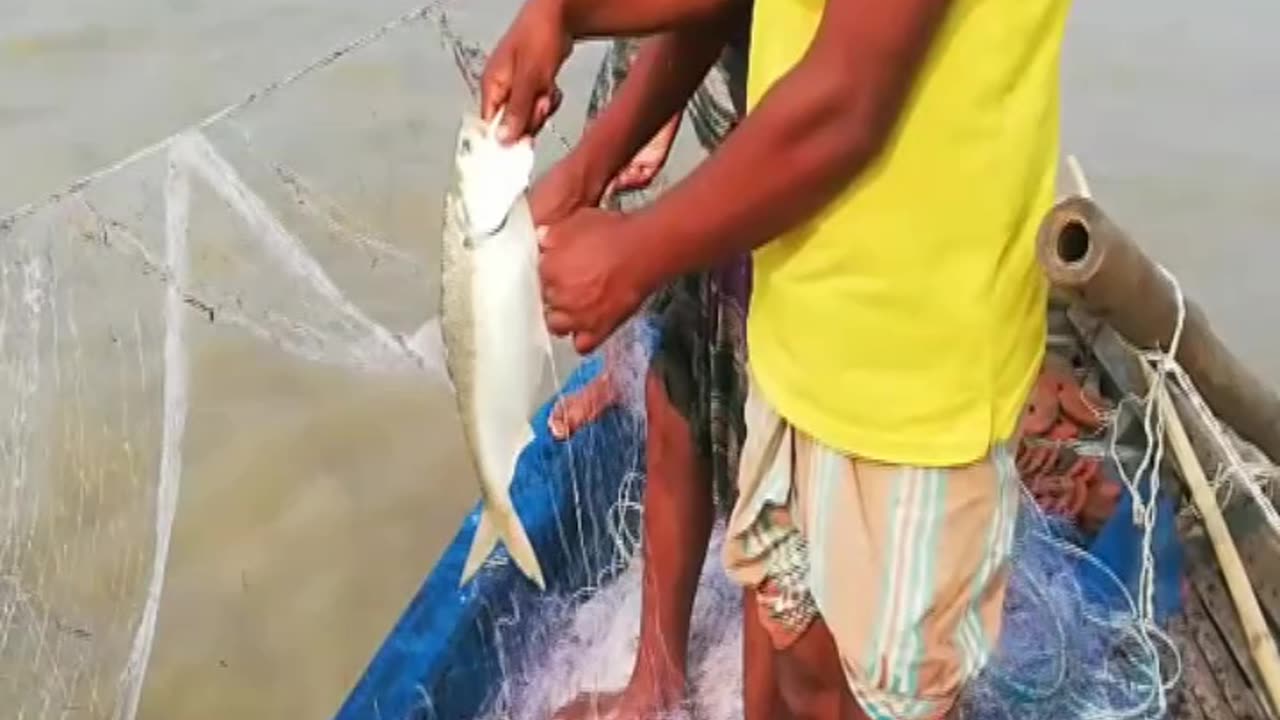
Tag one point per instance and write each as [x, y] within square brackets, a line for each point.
[906, 322]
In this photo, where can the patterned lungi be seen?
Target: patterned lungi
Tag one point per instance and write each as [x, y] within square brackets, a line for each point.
[700, 317]
[906, 565]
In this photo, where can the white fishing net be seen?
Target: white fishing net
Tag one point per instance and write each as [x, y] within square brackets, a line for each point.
[227, 339]
[226, 423]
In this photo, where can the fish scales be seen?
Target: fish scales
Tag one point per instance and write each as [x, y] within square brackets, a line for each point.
[496, 344]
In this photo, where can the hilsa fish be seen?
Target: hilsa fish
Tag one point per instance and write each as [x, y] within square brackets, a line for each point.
[496, 343]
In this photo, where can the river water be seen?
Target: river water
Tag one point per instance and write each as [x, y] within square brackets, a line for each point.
[314, 499]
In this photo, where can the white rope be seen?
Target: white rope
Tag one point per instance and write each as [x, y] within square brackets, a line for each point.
[177, 369]
[1145, 508]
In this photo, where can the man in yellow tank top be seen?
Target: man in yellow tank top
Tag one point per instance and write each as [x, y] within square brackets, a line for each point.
[890, 175]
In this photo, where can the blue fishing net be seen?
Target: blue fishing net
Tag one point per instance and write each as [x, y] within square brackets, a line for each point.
[1073, 644]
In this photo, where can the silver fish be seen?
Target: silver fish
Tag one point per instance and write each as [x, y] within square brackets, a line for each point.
[495, 338]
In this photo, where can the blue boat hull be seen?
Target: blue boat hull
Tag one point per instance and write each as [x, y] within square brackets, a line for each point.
[443, 658]
[455, 649]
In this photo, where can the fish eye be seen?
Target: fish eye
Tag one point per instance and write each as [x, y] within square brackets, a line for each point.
[465, 146]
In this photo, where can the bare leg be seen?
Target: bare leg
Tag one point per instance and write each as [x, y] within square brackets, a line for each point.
[678, 514]
[811, 678]
[761, 700]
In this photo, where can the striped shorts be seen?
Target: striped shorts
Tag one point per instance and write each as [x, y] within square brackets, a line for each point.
[907, 566]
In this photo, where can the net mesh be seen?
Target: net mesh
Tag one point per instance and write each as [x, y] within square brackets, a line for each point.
[206, 350]
[237, 269]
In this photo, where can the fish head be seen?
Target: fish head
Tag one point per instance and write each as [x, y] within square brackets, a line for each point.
[491, 176]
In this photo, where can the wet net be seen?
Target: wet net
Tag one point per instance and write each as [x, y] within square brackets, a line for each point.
[230, 448]
[229, 453]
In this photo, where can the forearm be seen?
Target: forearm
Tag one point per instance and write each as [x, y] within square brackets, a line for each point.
[797, 151]
[665, 73]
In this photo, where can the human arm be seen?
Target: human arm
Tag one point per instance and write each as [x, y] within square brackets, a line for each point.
[667, 70]
[641, 170]
[809, 137]
[664, 74]
[597, 18]
[815, 130]
[520, 73]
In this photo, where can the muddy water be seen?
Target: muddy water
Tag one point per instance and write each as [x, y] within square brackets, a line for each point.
[315, 498]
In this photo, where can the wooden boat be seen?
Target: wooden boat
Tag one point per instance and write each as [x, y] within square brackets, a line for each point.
[445, 656]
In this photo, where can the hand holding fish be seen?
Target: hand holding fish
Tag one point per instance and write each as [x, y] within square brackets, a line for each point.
[566, 188]
[519, 77]
[591, 280]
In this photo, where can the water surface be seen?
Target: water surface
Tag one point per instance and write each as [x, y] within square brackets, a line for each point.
[315, 499]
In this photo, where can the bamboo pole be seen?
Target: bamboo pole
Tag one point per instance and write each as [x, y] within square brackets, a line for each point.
[1262, 644]
[1090, 259]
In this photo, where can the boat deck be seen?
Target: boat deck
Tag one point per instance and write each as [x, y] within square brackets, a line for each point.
[1219, 679]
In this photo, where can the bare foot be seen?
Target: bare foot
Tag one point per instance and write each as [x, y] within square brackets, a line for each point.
[633, 703]
[574, 411]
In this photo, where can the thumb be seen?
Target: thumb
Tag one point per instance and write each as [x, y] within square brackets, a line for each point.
[495, 87]
[584, 342]
[541, 232]
[518, 110]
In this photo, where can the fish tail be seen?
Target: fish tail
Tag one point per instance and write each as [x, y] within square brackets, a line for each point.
[521, 549]
[482, 543]
[502, 525]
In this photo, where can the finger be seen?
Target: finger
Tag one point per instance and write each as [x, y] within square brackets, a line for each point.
[636, 176]
[586, 341]
[625, 179]
[544, 108]
[495, 86]
[643, 173]
[541, 111]
[519, 108]
[543, 204]
[559, 322]
[549, 297]
[543, 232]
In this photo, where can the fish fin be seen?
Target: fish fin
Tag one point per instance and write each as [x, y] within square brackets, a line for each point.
[521, 549]
[503, 524]
[482, 543]
[512, 530]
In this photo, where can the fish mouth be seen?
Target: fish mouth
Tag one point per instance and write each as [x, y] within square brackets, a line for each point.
[492, 176]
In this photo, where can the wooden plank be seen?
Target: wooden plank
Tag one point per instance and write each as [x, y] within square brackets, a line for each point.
[1198, 682]
[1260, 553]
[1239, 697]
[1183, 702]
[1183, 706]
[1207, 582]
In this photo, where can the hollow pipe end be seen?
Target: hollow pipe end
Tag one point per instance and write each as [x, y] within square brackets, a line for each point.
[1067, 245]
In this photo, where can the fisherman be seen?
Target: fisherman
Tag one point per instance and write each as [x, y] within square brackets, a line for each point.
[889, 178]
[696, 386]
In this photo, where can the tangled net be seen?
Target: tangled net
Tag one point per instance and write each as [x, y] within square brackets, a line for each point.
[118, 294]
[153, 535]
